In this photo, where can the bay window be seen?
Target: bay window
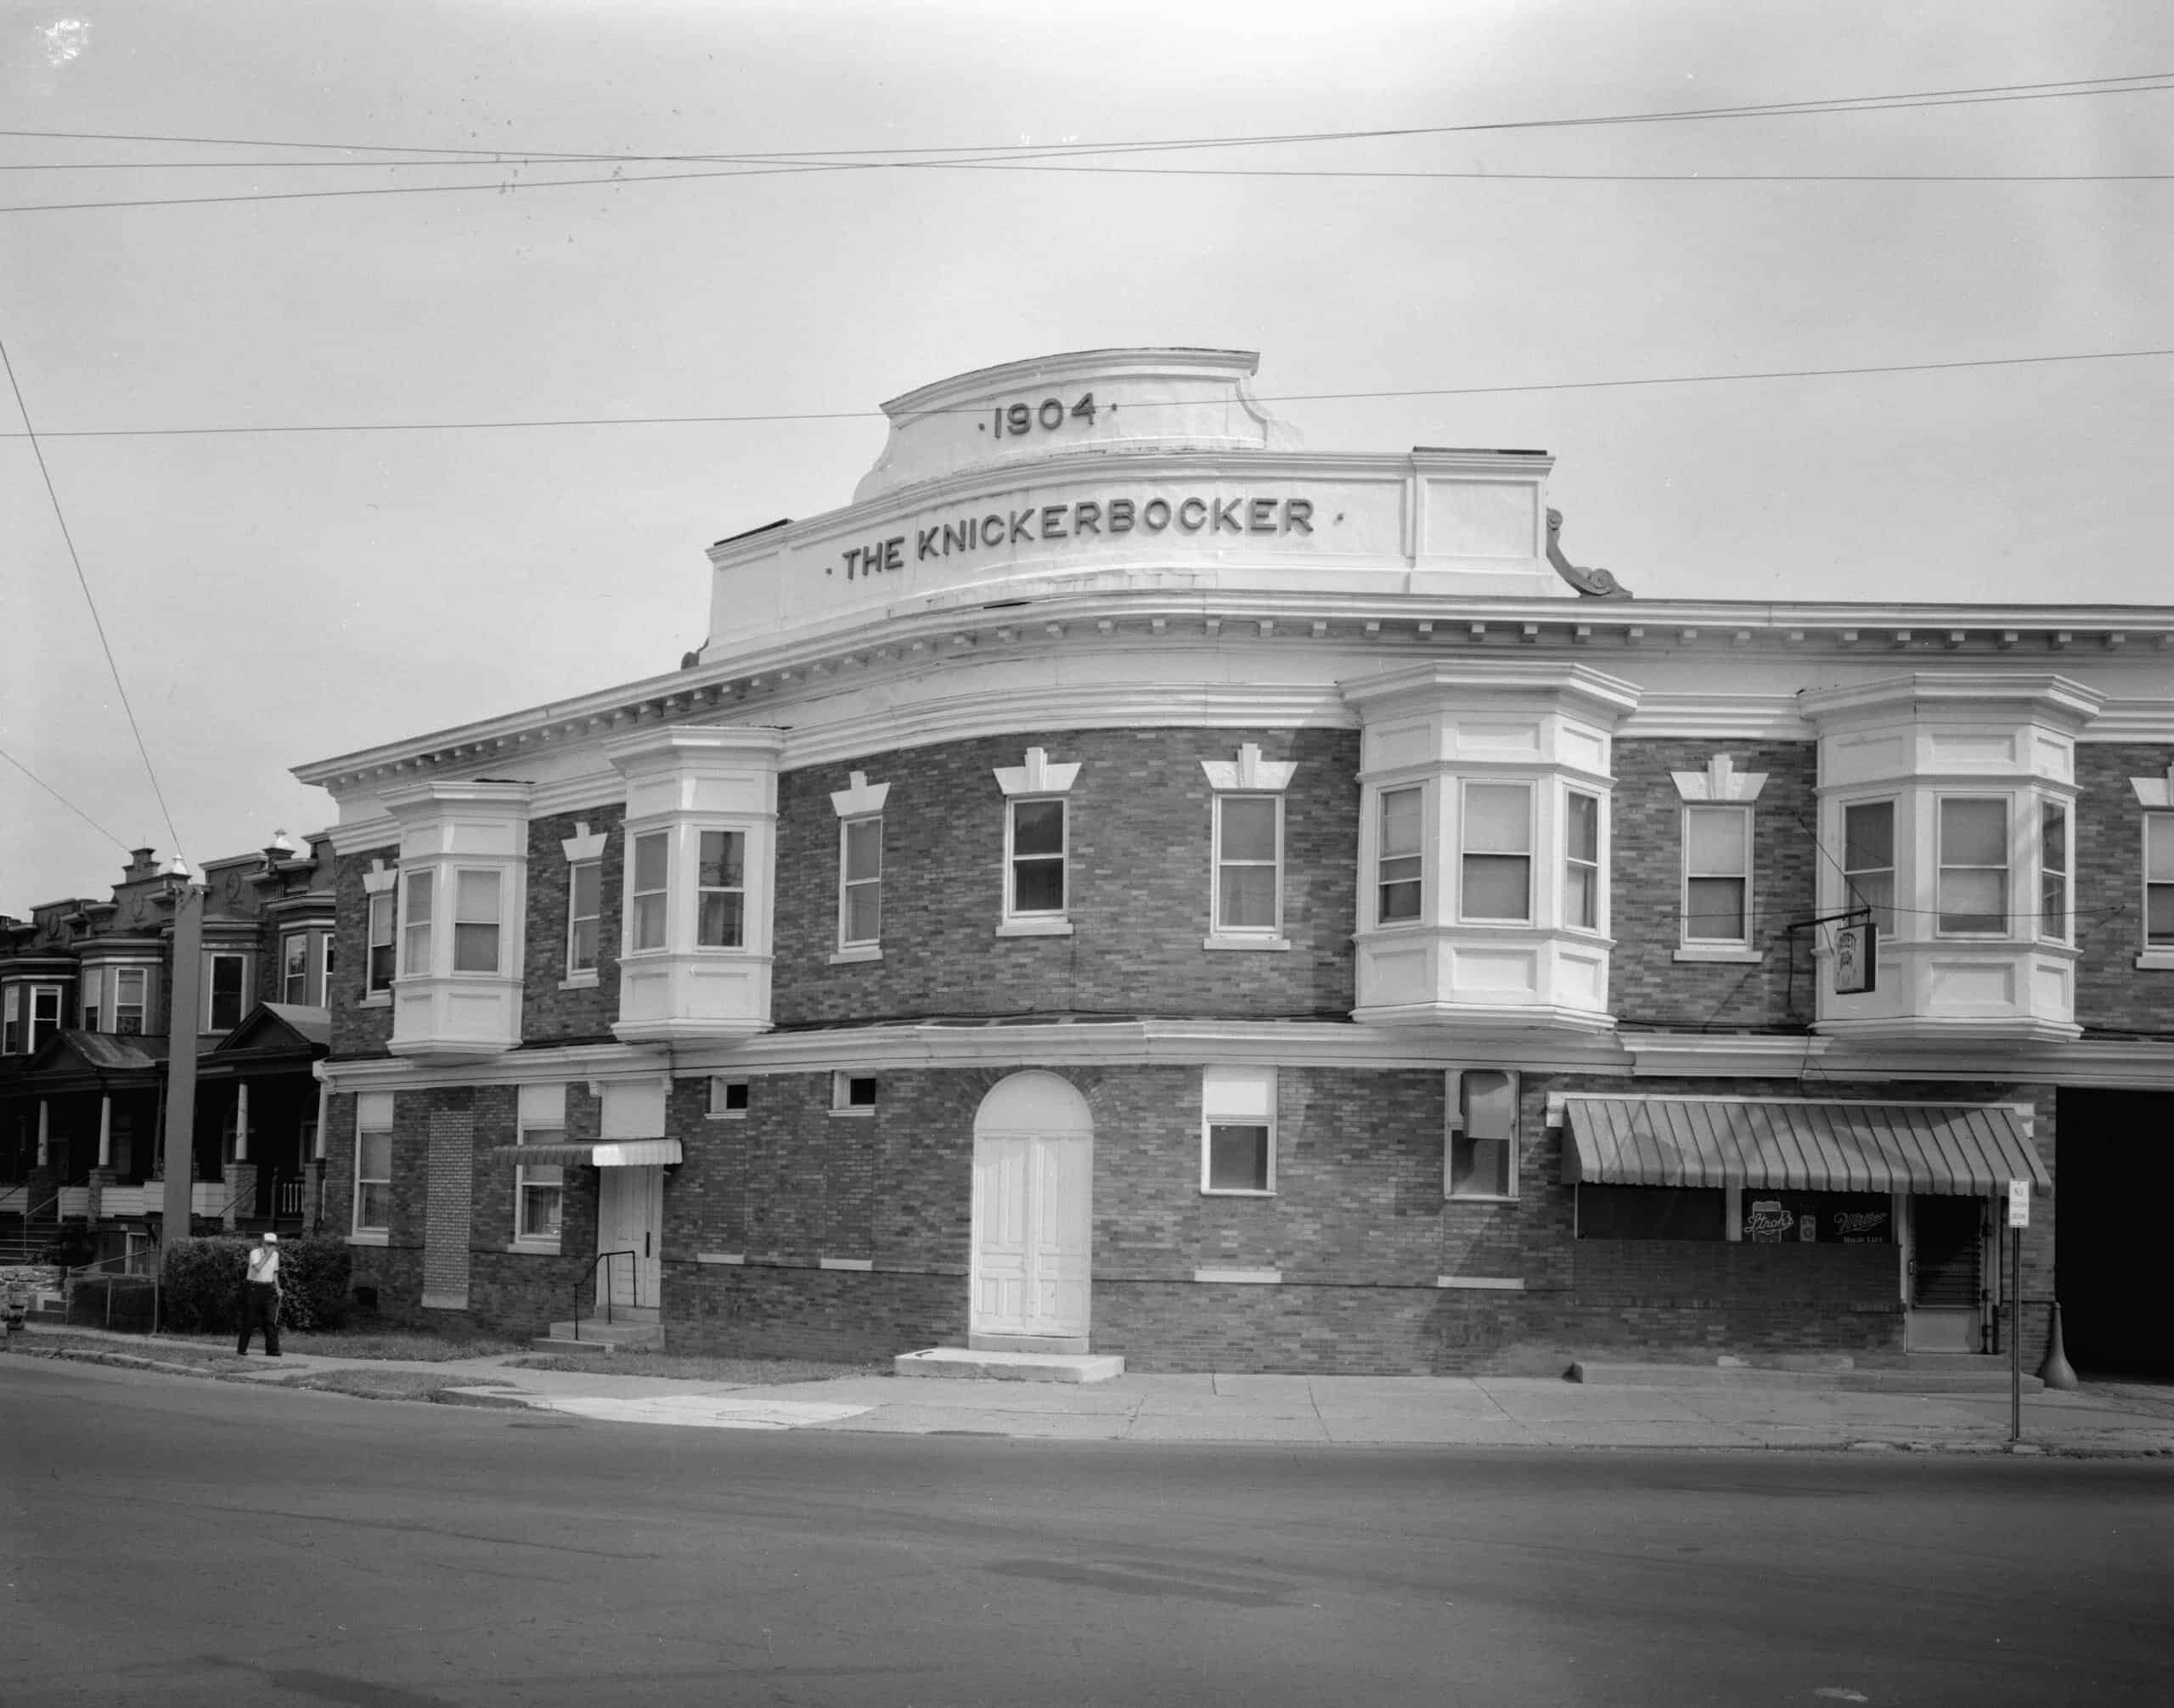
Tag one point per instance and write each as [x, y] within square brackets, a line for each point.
[464, 855]
[1582, 861]
[90, 1010]
[475, 920]
[380, 947]
[1868, 859]
[415, 934]
[131, 992]
[721, 891]
[1971, 894]
[646, 897]
[2053, 871]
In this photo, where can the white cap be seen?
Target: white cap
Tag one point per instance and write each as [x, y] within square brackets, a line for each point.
[271, 1239]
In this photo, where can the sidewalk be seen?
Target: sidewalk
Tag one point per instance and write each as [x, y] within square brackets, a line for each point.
[1329, 1411]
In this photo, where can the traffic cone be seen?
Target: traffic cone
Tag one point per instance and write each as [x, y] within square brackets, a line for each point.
[2055, 1373]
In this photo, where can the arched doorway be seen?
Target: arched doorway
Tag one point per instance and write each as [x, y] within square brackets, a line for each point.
[1033, 1196]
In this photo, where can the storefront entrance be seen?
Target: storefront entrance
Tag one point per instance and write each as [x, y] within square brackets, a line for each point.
[629, 1217]
[1945, 1267]
[1033, 1182]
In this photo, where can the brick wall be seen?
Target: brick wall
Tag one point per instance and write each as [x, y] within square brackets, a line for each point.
[1648, 986]
[356, 1030]
[584, 1013]
[1139, 883]
[2112, 992]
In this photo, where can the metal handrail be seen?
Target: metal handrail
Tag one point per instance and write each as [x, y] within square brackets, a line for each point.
[588, 1279]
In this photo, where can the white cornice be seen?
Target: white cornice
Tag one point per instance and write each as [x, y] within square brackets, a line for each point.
[581, 1061]
[1703, 1055]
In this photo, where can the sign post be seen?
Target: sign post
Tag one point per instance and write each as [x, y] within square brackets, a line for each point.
[2018, 1218]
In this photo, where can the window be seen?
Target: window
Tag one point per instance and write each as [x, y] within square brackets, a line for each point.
[1397, 867]
[1238, 1150]
[584, 907]
[294, 968]
[381, 957]
[721, 881]
[2053, 871]
[1582, 861]
[1868, 859]
[1716, 874]
[1035, 832]
[374, 1162]
[130, 999]
[1973, 892]
[11, 1021]
[646, 917]
[89, 1008]
[860, 882]
[476, 922]
[44, 1015]
[852, 1093]
[415, 927]
[2159, 880]
[541, 1189]
[1496, 852]
[1248, 864]
[228, 985]
[1483, 1147]
[729, 1099]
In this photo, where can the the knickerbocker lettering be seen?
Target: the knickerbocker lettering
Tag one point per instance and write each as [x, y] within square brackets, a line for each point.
[1193, 513]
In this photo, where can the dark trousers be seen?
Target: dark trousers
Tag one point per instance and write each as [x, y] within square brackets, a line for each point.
[260, 1308]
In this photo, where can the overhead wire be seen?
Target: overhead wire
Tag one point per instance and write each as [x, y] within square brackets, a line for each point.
[65, 801]
[75, 557]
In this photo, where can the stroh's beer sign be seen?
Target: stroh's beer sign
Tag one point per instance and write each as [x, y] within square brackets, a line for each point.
[1094, 519]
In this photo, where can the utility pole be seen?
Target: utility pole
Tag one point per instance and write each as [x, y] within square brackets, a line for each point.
[181, 1028]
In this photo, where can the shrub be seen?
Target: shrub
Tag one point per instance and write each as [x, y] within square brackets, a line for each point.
[203, 1280]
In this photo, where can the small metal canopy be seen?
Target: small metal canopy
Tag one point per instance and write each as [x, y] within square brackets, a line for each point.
[595, 1153]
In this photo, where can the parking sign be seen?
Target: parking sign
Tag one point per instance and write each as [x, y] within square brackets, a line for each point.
[2018, 1203]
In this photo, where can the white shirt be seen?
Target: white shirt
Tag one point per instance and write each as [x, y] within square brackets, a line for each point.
[264, 1264]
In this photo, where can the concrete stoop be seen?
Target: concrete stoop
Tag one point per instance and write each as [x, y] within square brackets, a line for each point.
[630, 1329]
[957, 1363]
[1946, 1373]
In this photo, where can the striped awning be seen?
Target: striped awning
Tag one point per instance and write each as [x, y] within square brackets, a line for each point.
[608, 1153]
[1961, 1150]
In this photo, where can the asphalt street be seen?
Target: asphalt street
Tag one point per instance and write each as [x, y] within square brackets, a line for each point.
[172, 1542]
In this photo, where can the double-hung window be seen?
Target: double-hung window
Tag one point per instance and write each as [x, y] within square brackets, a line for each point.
[374, 1162]
[475, 920]
[539, 1188]
[647, 900]
[1482, 1160]
[1494, 877]
[1868, 859]
[1034, 858]
[229, 980]
[584, 908]
[1717, 875]
[2053, 871]
[294, 968]
[1399, 863]
[131, 992]
[381, 956]
[43, 1009]
[1237, 1130]
[416, 923]
[721, 891]
[90, 1006]
[2159, 880]
[1972, 895]
[860, 882]
[1249, 864]
[1582, 861]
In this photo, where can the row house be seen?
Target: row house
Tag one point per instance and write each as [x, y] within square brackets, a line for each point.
[87, 991]
[1127, 881]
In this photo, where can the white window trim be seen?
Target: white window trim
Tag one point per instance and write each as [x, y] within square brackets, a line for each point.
[1453, 1125]
[299, 934]
[1894, 869]
[630, 915]
[1599, 862]
[539, 1109]
[710, 1110]
[404, 961]
[1373, 826]
[115, 971]
[31, 1042]
[2151, 957]
[1225, 937]
[1729, 949]
[1237, 1097]
[582, 977]
[361, 1232]
[90, 999]
[380, 880]
[211, 958]
[2063, 932]
[1042, 922]
[1037, 779]
[499, 922]
[870, 948]
[842, 1088]
[1465, 784]
[698, 889]
[2007, 798]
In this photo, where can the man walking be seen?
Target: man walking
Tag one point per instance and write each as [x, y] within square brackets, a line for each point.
[260, 1297]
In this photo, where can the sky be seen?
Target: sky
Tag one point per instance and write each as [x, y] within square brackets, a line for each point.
[273, 597]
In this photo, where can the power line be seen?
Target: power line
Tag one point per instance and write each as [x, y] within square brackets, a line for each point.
[83, 581]
[2138, 82]
[65, 802]
[1268, 397]
[1031, 158]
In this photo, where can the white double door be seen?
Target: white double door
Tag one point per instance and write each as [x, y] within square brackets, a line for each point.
[1033, 1233]
[630, 1218]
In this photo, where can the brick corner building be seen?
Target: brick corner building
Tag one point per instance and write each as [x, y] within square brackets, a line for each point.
[1125, 882]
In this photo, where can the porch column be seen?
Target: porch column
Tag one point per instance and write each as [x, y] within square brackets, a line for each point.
[44, 1133]
[241, 1120]
[105, 1131]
